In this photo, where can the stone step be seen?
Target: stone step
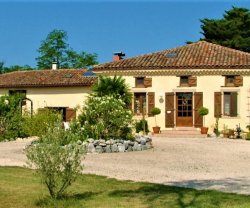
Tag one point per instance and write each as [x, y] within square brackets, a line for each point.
[186, 132]
[180, 135]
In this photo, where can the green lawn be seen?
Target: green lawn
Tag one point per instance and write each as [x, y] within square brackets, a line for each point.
[20, 187]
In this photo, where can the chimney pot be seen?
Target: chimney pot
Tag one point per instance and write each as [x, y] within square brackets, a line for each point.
[118, 56]
[54, 65]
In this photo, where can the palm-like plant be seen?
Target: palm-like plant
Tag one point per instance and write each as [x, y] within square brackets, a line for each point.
[115, 86]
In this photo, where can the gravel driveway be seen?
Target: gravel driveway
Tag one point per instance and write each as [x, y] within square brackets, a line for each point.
[209, 163]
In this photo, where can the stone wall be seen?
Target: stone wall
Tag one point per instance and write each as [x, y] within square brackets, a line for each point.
[118, 145]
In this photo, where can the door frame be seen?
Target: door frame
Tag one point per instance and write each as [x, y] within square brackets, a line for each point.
[175, 91]
[184, 121]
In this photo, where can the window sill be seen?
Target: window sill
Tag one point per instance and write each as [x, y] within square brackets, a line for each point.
[230, 117]
[139, 87]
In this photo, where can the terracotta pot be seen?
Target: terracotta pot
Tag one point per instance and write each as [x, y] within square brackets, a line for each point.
[156, 129]
[204, 130]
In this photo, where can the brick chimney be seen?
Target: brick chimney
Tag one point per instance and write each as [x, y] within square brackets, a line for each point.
[118, 56]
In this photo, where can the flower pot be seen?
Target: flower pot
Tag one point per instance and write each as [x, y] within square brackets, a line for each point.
[156, 129]
[204, 130]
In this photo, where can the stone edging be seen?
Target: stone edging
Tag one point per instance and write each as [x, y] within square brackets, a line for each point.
[118, 145]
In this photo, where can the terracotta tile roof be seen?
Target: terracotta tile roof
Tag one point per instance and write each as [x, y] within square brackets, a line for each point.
[46, 78]
[198, 55]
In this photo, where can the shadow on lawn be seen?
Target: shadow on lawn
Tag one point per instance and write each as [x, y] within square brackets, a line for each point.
[232, 185]
[168, 196]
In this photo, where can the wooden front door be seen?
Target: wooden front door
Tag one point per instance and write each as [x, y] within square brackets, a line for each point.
[184, 109]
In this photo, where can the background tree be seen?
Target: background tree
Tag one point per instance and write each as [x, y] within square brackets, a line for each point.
[233, 30]
[4, 69]
[115, 86]
[56, 48]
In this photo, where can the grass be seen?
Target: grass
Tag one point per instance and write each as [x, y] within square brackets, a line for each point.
[20, 187]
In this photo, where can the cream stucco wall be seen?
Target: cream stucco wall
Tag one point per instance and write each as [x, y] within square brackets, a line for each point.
[208, 84]
[71, 97]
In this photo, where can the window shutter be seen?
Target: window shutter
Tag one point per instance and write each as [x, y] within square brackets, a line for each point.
[238, 81]
[192, 81]
[198, 102]
[70, 114]
[148, 82]
[217, 104]
[233, 104]
[151, 102]
[169, 102]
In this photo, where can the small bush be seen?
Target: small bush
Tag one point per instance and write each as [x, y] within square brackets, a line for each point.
[155, 111]
[41, 122]
[57, 160]
[141, 125]
[248, 136]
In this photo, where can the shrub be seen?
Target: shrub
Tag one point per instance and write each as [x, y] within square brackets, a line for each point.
[248, 136]
[203, 112]
[57, 160]
[105, 117]
[141, 125]
[10, 117]
[41, 122]
[155, 111]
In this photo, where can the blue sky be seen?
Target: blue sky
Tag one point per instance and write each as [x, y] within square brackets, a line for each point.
[103, 27]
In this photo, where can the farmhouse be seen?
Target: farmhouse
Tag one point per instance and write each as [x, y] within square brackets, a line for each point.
[181, 80]
[63, 90]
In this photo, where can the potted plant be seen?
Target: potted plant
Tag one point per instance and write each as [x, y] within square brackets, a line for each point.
[203, 112]
[156, 111]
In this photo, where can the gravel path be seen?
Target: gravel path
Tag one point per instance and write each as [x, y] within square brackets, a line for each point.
[210, 163]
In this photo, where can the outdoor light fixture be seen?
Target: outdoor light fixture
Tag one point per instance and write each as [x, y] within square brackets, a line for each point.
[161, 100]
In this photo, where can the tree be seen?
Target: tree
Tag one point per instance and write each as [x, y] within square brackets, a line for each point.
[56, 49]
[233, 30]
[115, 86]
[57, 159]
[4, 69]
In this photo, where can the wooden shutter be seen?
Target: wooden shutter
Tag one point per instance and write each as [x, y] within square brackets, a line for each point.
[151, 102]
[233, 104]
[70, 114]
[192, 81]
[198, 102]
[238, 81]
[217, 104]
[147, 82]
[169, 102]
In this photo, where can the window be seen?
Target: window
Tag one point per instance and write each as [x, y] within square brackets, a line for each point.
[233, 81]
[67, 113]
[229, 80]
[17, 92]
[188, 81]
[139, 82]
[143, 81]
[140, 103]
[230, 104]
[184, 81]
